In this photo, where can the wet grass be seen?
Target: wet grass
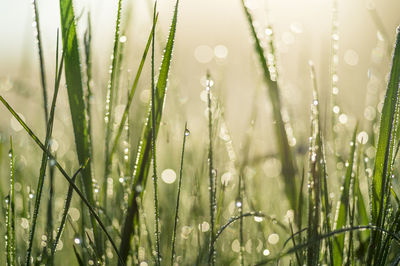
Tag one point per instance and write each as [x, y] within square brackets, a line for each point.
[219, 209]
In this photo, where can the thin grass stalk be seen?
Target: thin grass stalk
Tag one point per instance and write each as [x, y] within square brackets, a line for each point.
[326, 206]
[153, 146]
[109, 104]
[45, 157]
[49, 223]
[143, 156]
[185, 134]
[342, 215]
[234, 219]
[50, 203]
[67, 204]
[41, 59]
[314, 180]
[64, 173]
[334, 62]
[88, 60]
[132, 93]
[10, 216]
[211, 172]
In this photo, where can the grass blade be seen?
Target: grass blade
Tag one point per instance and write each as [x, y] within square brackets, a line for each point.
[65, 211]
[388, 137]
[10, 215]
[185, 134]
[285, 152]
[132, 93]
[211, 172]
[109, 104]
[344, 206]
[45, 157]
[64, 173]
[143, 156]
[73, 76]
[316, 178]
[153, 147]
[41, 59]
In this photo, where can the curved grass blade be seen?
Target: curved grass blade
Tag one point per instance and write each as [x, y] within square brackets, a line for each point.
[329, 235]
[344, 207]
[143, 157]
[73, 77]
[234, 219]
[64, 173]
[65, 212]
[45, 157]
[10, 215]
[285, 152]
[185, 134]
[388, 137]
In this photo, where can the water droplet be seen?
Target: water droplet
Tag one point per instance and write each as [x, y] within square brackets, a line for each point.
[238, 204]
[77, 241]
[138, 188]
[362, 137]
[258, 219]
[122, 39]
[187, 132]
[336, 109]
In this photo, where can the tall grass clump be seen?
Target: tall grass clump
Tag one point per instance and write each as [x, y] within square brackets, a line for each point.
[328, 198]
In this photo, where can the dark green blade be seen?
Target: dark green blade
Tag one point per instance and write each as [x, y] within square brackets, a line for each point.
[73, 76]
[387, 141]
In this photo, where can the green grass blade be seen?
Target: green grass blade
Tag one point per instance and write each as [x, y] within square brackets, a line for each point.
[185, 134]
[64, 173]
[73, 76]
[343, 211]
[285, 152]
[211, 172]
[388, 137]
[41, 59]
[43, 166]
[67, 204]
[89, 95]
[315, 177]
[10, 217]
[143, 157]
[234, 219]
[154, 148]
[110, 102]
[78, 257]
[132, 93]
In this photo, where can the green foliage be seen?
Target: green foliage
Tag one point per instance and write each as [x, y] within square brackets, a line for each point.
[221, 211]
